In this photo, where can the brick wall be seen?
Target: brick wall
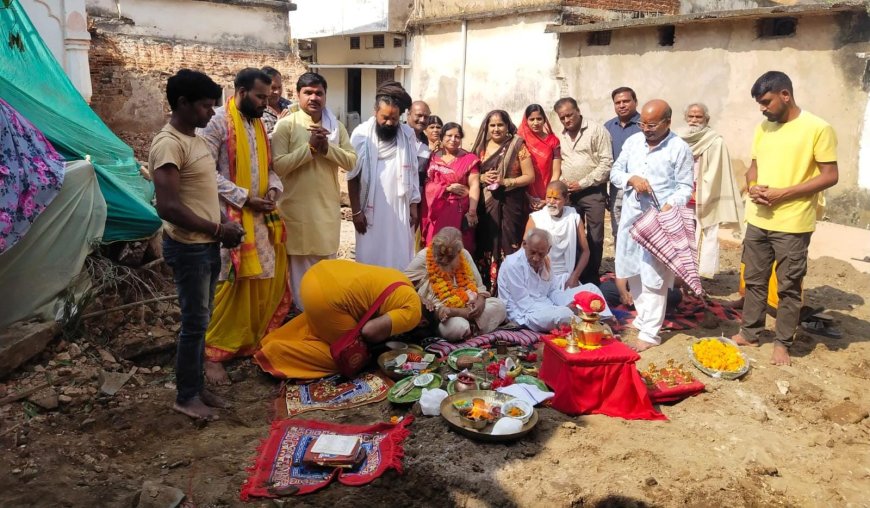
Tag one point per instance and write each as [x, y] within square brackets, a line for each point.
[129, 78]
[660, 6]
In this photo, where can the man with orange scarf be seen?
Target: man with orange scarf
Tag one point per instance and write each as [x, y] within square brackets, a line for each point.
[253, 295]
[587, 156]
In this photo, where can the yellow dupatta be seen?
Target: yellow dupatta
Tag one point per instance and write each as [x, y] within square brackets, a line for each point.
[246, 262]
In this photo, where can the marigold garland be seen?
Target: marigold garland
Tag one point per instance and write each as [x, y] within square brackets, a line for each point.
[450, 294]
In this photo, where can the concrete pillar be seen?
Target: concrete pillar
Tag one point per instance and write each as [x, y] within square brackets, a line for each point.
[77, 42]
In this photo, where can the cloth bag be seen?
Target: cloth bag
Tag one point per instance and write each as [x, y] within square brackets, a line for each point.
[350, 352]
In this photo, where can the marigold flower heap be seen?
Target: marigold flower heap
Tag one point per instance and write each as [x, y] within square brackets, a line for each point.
[717, 355]
[455, 295]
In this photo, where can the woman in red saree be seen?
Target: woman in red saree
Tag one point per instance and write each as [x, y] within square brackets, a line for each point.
[452, 189]
[543, 146]
[505, 172]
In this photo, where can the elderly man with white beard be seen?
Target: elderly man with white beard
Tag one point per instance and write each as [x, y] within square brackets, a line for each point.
[567, 232]
[717, 198]
[534, 296]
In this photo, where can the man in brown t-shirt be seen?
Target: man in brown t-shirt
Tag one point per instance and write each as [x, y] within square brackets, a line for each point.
[185, 182]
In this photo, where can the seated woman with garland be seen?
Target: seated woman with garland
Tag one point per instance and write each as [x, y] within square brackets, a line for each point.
[451, 289]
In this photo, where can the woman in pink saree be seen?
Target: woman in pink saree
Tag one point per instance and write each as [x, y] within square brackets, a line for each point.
[452, 188]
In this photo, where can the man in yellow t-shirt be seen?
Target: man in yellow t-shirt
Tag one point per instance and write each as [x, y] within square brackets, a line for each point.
[794, 159]
[185, 183]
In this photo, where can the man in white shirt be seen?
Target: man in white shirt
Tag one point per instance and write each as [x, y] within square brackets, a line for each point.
[534, 296]
[658, 162]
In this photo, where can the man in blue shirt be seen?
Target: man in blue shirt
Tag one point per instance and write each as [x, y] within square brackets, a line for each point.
[621, 127]
[660, 162]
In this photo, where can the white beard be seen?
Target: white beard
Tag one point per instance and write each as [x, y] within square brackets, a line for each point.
[694, 129]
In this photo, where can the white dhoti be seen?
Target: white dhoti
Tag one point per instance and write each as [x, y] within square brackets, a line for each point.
[650, 304]
[707, 240]
[553, 311]
[456, 328]
[298, 266]
[389, 239]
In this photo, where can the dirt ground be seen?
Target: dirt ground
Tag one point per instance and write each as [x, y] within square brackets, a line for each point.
[792, 436]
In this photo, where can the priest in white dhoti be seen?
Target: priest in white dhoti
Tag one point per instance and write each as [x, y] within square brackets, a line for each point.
[534, 296]
[567, 232]
[384, 186]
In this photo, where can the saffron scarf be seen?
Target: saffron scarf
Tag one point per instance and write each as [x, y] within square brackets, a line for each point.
[541, 151]
[245, 261]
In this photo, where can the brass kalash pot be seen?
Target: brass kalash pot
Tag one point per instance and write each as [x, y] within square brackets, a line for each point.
[586, 327]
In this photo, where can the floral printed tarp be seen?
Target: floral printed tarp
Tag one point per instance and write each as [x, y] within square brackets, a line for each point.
[31, 175]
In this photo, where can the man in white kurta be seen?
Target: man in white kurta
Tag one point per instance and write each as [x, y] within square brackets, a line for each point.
[534, 297]
[653, 161]
[384, 187]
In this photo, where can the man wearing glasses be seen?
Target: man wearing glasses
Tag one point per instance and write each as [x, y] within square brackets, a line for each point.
[655, 161]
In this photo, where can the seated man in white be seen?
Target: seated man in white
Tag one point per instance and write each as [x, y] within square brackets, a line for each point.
[450, 287]
[534, 297]
[567, 232]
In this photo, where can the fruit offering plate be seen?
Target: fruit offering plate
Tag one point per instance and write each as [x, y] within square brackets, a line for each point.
[730, 353]
[409, 357]
[396, 395]
[450, 413]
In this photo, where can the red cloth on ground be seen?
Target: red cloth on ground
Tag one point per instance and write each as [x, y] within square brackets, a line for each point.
[661, 392]
[278, 463]
[601, 381]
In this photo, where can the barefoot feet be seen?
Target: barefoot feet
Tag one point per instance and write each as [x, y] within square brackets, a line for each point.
[212, 399]
[740, 341]
[642, 345]
[196, 409]
[215, 374]
[780, 355]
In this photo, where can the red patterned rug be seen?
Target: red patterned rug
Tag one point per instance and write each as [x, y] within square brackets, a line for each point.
[278, 468]
[691, 313]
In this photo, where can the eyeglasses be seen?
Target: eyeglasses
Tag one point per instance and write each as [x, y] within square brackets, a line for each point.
[651, 126]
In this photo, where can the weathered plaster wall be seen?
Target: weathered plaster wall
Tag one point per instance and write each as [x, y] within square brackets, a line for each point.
[200, 21]
[445, 8]
[132, 57]
[717, 64]
[511, 63]
[692, 6]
